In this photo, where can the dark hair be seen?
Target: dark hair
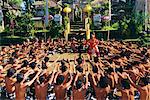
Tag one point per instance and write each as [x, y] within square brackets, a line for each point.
[125, 83]
[41, 79]
[147, 55]
[78, 84]
[144, 80]
[44, 66]
[14, 54]
[63, 68]
[110, 69]
[106, 50]
[95, 69]
[11, 72]
[135, 63]
[103, 83]
[62, 62]
[59, 79]
[116, 57]
[96, 59]
[144, 60]
[20, 77]
[45, 49]
[3, 48]
[32, 65]
[120, 69]
[79, 60]
[80, 69]
[110, 61]
[25, 63]
[46, 59]
[33, 56]
[129, 66]
[11, 60]
[31, 52]
[144, 51]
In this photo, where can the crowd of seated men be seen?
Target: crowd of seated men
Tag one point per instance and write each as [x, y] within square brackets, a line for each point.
[122, 71]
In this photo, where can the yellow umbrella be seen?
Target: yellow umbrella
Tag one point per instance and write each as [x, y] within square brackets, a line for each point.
[67, 10]
[87, 8]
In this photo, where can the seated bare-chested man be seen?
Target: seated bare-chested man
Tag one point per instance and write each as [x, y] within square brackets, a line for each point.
[125, 87]
[21, 85]
[9, 80]
[41, 86]
[143, 87]
[79, 90]
[59, 87]
[101, 87]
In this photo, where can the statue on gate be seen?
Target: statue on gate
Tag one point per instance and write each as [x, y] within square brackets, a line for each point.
[77, 13]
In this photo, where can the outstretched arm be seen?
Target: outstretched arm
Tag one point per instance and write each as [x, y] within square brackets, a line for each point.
[29, 83]
[75, 60]
[18, 71]
[76, 78]
[94, 80]
[133, 84]
[86, 85]
[56, 76]
[52, 77]
[67, 84]
[29, 72]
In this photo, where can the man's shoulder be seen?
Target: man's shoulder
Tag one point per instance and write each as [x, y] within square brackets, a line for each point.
[59, 87]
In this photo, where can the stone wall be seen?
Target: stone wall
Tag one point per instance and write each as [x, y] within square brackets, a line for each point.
[140, 5]
[148, 11]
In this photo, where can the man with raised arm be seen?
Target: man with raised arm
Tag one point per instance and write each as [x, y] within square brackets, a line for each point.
[41, 87]
[143, 87]
[101, 87]
[125, 86]
[21, 85]
[59, 87]
[9, 81]
[79, 90]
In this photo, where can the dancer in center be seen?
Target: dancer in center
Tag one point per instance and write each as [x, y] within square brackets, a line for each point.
[93, 46]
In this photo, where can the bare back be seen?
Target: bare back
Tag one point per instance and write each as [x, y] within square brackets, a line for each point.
[125, 94]
[101, 93]
[79, 95]
[144, 93]
[41, 91]
[9, 85]
[60, 92]
[20, 91]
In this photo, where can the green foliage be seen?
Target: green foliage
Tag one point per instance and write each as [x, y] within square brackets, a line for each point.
[7, 40]
[105, 8]
[24, 23]
[56, 30]
[132, 26]
[112, 27]
[10, 15]
[15, 2]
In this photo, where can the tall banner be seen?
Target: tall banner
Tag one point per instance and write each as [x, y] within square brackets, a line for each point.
[47, 14]
[1, 21]
[1, 17]
[97, 20]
